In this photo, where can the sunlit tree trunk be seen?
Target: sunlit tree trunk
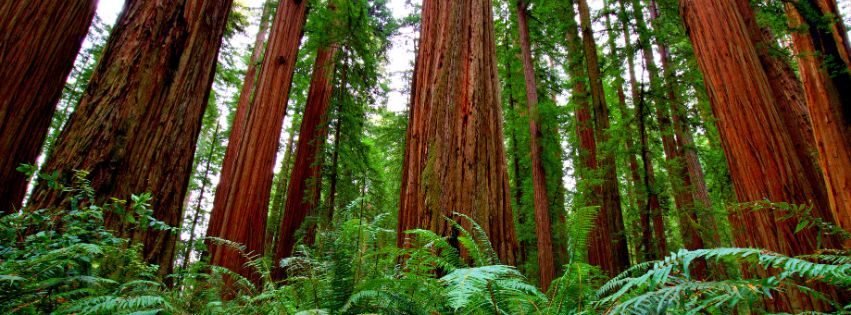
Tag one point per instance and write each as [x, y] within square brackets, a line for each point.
[243, 105]
[39, 41]
[542, 216]
[136, 128]
[608, 248]
[821, 45]
[242, 196]
[761, 154]
[454, 157]
[302, 191]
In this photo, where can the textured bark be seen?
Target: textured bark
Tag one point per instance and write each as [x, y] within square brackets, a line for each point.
[761, 156]
[39, 41]
[136, 128]
[543, 228]
[243, 106]
[303, 191]
[789, 96]
[823, 57]
[454, 157]
[242, 197]
[608, 249]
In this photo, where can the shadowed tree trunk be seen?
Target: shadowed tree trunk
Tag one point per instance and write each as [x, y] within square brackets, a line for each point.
[821, 45]
[302, 197]
[454, 156]
[760, 152]
[242, 197]
[542, 214]
[39, 41]
[608, 248]
[136, 128]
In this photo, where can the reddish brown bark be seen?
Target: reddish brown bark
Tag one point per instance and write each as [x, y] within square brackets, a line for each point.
[242, 197]
[243, 106]
[543, 232]
[136, 127]
[761, 155]
[455, 159]
[608, 248]
[303, 191]
[788, 93]
[823, 57]
[39, 41]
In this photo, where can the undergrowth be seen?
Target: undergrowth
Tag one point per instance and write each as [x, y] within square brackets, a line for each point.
[66, 262]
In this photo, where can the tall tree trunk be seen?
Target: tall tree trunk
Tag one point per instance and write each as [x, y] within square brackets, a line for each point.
[39, 41]
[243, 105]
[242, 197]
[543, 228]
[302, 198]
[821, 45]
[608, 250]
[136, 128]
[761, 155]
[454, 157]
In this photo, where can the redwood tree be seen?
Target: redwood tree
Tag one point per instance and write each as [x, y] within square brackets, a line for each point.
[39, 41]
[761, 154]
[303, 198]
[242, 196]
[136, 127]
[454, 156]
[541, 203]
[821, 44]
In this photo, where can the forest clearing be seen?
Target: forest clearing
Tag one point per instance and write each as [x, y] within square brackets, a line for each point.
[317, 157]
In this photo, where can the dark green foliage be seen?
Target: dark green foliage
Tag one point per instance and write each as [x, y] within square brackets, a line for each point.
[66, 262]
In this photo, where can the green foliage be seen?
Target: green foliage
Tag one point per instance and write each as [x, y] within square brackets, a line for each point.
[65, 262]
[666, 286]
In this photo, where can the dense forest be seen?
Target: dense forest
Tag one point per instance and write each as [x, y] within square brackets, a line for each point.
[425, 157]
